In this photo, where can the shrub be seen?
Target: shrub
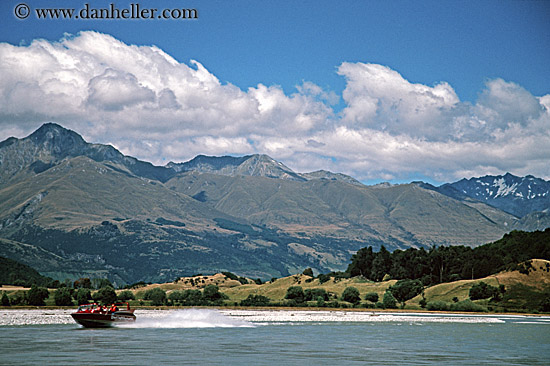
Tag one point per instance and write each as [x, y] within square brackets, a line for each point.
[156, 295]
[295, 293]
[482, 290]
[211, 293]
[36, 295]
[323, 278]
[105, 295]
[467, 305]
[62, 297]
[126, 295]
[82, 295]
[192, 298]
[389, 301]
[372, 297]
[437, 306]
[5, 300]
[404, 290]
[315, 293]
[351, 294]
[321, 303]
[255, 300]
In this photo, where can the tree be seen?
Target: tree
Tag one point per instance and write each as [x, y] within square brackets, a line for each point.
[389, 301]
[315, 293]
[361, 263]
[351, 294]
[255, 300]
[175, 296]
[82, 295]
[5, 299]
[62, 297]
[105, 295]
[372, 297]
[482, 290]
[308, 272]
[381, 264]
[156, 295]
[36, 295]
[126, 295]
[83, 283]
[192, 298]
[404, 290]
[295, 293]
[212, 293]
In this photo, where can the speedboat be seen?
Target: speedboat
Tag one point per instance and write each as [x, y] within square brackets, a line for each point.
[100, 316]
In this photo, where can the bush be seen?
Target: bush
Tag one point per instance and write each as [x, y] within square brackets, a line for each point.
[323, 278]
[37, 295]
[193, 298]
[482, 290]
[156, 295]
[467, 305]
[231, 276]
[437, 306]
[372, 297]
[105, 295]
[83, 283]
[176, 296]
[308, 272]
[255, 300]
[351, 294]
[404, 290]
[5, 300]
[212, 294]
[389, 301]
[295, 293]
[62, 297]
[321, 303]
[82, 296]
[315, 293]
[126, 295]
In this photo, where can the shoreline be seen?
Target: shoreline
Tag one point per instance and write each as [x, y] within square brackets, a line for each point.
[289, 309]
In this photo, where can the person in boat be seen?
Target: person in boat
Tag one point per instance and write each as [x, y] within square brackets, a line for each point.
[113, 309]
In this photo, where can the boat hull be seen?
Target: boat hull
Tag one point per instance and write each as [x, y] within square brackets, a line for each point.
[97, 320]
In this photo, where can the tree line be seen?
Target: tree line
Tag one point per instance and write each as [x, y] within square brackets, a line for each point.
[446, 264]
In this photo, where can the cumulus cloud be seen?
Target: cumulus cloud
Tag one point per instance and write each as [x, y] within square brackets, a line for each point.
[149, 105]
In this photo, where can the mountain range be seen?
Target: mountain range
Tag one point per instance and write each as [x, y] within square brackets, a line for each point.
[74, 209]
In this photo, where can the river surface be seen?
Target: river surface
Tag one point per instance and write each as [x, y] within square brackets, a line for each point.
[273, 337]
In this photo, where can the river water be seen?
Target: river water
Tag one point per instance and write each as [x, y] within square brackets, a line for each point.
[275, 337]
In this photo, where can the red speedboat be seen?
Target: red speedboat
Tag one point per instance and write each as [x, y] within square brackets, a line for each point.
[100, 316]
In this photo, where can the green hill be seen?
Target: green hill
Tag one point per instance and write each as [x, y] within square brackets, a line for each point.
[15, 273]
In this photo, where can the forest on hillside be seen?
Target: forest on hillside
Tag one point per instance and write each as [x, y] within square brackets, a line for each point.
[446, 264]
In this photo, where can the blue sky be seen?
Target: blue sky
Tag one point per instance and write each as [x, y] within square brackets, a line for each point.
[479, 49]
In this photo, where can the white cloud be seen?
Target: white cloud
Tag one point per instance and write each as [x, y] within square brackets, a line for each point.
[377, 96]
[149, 105]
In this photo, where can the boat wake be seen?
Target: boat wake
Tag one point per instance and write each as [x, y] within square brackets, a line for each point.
[188, 318]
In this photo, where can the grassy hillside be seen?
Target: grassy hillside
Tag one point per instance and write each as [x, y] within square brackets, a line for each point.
[524, 292]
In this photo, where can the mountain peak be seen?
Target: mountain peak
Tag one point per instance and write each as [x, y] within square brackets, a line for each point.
[253, 165]
[57, 140]
[510, 193]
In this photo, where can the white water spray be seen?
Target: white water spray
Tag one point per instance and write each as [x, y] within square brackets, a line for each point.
[188, 318]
